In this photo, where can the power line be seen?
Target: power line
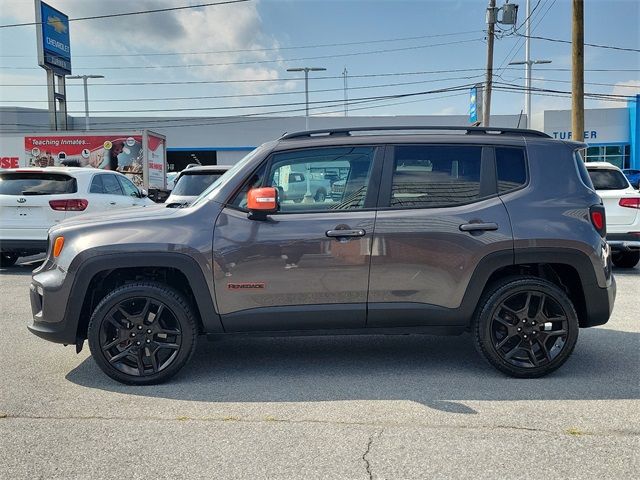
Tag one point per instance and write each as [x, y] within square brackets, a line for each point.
[269, 80]
[297, 92]
[595, 45]
[234, 107]
[258, 50]
[277, 60]
[125, 14]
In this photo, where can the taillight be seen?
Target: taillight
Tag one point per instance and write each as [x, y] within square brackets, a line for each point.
[629, 202]
[70, 205]
[598, 219]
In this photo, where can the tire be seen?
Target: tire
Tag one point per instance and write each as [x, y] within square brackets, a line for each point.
[8, 259]
[626, 259]
[525, 342]
[156, 328]
[320, 196]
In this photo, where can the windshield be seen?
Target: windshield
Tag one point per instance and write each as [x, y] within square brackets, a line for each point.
[228, 175]
[36, 183]
[605, 179]
[193, 184]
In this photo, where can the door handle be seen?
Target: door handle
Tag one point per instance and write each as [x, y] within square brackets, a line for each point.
[476, 227]
[345, 233]
[112, 203]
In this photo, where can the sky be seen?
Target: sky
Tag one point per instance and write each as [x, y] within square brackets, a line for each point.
[240, 52]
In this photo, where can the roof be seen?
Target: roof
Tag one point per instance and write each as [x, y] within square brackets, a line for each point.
[66, 170]
[601, 165]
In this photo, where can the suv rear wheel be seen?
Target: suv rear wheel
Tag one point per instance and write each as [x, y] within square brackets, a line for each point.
[525, 326]
[626, 259]
[142, 333]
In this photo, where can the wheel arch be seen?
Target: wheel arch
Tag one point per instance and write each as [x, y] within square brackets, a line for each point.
[98, 275]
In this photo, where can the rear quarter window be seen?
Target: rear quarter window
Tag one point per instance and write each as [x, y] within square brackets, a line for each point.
[19, 183]
[606, 179]
[511, 168]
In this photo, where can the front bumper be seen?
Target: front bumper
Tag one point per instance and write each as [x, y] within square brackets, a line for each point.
[49, 292]
[623, 242]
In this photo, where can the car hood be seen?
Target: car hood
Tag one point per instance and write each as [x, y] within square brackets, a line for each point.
[125, 215]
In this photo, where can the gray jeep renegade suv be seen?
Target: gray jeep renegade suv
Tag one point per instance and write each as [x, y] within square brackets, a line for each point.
[434, 231]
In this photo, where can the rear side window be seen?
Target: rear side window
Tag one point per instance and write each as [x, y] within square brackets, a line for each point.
[605, 179]
[511, 168]
[111, 185]
[193, 184]
[41, 183]
[96, 185]
[428, 176]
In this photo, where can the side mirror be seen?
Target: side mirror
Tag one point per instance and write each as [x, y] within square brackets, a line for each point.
[262, 201]
[143, 193]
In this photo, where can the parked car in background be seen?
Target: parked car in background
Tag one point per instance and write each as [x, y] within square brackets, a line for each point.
[622, 205]
[194, 180]
[34, 199]
[633, 176]
[295, 186]
[436, 233]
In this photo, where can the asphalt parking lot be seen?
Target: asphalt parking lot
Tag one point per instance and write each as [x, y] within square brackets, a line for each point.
[333, 407]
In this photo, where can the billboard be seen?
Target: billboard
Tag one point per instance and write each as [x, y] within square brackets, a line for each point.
[121, 153]
[54, 45]
[156, 161]
[475, 104]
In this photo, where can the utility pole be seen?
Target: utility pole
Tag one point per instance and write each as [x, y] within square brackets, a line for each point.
[577, 71]
[492, 14]
[86, 95]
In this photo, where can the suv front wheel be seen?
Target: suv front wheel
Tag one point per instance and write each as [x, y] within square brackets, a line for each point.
[525, 326]
[142, 333]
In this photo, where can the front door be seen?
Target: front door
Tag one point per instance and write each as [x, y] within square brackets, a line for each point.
[307, 266]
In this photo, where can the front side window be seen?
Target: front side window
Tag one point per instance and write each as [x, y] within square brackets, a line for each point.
[429, 176]
[321, 179]
[128, 187]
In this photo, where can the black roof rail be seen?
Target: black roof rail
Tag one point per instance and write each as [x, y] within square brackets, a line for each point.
[468, 130]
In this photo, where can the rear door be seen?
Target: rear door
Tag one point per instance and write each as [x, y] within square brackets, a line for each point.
[25, 211]
[307, 266]
[439, 215]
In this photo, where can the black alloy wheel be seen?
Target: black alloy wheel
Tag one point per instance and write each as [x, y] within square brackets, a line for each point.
[526, 327]
[142, 333]
[8, 259]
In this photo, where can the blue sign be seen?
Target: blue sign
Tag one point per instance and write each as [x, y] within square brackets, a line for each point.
[473, 101]
[54, 34]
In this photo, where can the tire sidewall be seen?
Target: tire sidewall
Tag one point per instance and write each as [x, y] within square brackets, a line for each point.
[173, 301]
[499, 295]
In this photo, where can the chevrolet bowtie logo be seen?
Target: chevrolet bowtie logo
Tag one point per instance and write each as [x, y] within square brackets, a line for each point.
[57, 24]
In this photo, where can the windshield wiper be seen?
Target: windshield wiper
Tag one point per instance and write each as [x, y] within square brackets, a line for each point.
[30, 192]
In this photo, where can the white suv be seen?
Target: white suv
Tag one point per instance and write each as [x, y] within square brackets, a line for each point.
[34, 199]
[622, 207]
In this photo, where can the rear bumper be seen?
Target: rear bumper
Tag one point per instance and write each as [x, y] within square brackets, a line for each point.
[599, 304]
[623, 242]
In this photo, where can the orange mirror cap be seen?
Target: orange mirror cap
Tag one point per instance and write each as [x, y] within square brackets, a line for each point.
[57, 246]
[262, 199]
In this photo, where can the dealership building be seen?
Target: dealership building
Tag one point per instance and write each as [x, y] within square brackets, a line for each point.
[613, 134]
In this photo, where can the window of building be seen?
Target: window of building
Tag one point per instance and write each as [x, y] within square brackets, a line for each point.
[618, 155]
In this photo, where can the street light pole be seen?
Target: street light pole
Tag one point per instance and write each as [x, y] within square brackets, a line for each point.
[527, 84]
[86, 95]
[306, 71]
